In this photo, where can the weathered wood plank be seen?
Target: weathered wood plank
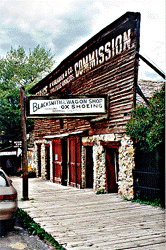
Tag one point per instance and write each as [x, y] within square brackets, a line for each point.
[84, 220]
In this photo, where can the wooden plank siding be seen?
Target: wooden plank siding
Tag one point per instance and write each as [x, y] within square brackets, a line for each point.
[119, 87]
[115, 77]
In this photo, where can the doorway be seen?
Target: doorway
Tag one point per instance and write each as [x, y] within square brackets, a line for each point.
[64, 162]
[112, 169]
[89, 167]
[48, 162]
[39, 160]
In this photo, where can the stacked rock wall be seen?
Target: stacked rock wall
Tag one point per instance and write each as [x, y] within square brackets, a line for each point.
[42, 144]
[125, 160]
[126, 163]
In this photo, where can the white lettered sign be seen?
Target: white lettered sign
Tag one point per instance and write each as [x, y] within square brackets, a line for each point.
[67, 106]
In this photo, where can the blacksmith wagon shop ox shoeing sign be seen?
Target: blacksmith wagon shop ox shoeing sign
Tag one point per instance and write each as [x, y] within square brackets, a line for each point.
[90, 106]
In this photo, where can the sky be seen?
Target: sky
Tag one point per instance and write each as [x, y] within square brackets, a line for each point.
[64, 25]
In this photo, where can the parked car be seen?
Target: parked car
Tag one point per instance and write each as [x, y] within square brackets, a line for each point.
[8, 203]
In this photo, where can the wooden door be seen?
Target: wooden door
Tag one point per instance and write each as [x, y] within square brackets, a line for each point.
[57, 169]
[78, 162]
[88, 167]
[111, 169]
[75, 161]
[47, 156]
[64, 162]
[39, 160]
[72, 166]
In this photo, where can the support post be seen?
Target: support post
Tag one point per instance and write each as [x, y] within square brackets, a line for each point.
[24, 144]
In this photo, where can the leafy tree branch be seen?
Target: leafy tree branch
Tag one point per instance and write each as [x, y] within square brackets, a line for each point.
[147, 125]
[17, 69]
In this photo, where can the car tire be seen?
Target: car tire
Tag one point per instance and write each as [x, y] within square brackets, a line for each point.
[11, 224]
[2, 228]
[6, 226]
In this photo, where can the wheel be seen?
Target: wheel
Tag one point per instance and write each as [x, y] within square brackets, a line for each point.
[11, 224]
[2, 228]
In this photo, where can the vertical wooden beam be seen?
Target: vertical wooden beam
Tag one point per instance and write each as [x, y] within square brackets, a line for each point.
[75, 160]
[68, 161]
[24, 144]
[136, 59]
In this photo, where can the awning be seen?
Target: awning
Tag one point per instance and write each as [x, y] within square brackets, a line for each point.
[56, 136]
[64, 135]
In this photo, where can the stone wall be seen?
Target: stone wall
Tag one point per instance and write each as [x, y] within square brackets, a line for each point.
[125, 160]
[83, 167]
[43, 158]
[126, 163]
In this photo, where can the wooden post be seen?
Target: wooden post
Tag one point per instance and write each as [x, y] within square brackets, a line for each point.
[136, 64]
[24, 144]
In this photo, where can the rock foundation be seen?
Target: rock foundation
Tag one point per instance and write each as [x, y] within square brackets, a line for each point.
[125, 161]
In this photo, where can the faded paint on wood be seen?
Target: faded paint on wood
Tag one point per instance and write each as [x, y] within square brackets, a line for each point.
[112, 71]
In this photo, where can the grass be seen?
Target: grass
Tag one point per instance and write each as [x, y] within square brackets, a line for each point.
[101, 191]
[156, 203]
[35, 229]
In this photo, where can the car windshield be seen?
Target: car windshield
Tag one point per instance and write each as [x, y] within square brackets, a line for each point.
[3, 180]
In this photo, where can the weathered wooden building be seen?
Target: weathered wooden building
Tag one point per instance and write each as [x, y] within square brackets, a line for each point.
[87, 151]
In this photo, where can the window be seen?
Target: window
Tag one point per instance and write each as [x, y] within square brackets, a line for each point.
[3, 180]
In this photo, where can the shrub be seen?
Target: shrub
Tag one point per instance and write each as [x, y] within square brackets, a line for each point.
[147, 125]
[33, 228]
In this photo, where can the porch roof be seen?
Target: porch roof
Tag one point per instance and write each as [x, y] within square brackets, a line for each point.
[64, 134]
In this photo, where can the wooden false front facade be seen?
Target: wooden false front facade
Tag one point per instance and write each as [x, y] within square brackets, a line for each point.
[88, 152]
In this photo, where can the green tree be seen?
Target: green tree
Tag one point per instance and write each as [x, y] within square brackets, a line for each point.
[147, 125]
[17, 69]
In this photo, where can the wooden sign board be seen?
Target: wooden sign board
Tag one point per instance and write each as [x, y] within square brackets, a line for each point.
[69, 106]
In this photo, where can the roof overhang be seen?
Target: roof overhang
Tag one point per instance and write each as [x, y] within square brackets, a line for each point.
[64, 135]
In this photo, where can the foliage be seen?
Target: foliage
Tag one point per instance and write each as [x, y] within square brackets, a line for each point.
[147, 124]
[30, 169]
[35, 229]
[18, 69]
[31, 172]
[156, 203]
[101, 191]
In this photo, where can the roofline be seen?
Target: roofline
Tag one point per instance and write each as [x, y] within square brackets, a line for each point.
[49, 77]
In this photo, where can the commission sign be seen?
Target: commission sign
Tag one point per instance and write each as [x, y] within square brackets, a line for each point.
[73, 106]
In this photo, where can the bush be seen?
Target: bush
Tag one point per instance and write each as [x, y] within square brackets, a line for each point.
[33, 228]
[147, 125]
